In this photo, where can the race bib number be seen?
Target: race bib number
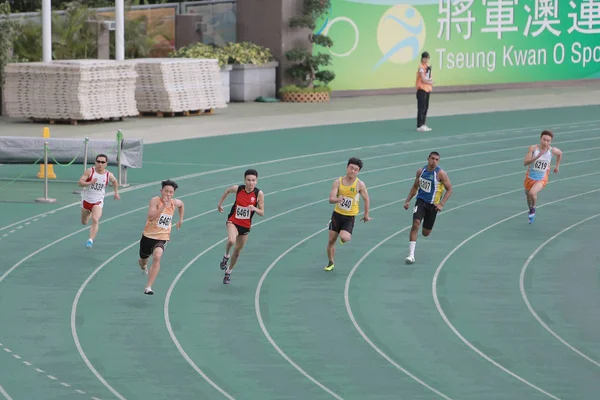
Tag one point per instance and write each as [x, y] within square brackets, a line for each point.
[164, 221]
[425, 185]
[97, 186]
[242, 212]
[540, 165]
[345, 204]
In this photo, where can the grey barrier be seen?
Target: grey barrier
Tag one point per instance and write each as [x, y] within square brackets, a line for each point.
[123, 153]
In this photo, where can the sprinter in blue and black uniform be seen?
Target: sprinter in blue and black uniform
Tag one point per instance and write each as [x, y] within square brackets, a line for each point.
[430, 184]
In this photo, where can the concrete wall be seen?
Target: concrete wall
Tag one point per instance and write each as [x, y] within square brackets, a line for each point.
[265, 23]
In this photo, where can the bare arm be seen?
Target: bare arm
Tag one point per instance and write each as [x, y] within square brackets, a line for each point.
[231, 189]
[414, 188]
[529, 158]
[362, 189]
[180, 209]
[448, 185]
[82, 181]
[260, 202]
[115, 184]
[558, 153]
[333, 194]
[155, 208]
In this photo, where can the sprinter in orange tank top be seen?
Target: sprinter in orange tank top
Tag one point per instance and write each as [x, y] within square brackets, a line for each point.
[249, 200]
[157, 231]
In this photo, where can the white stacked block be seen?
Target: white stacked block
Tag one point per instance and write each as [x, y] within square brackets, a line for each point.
[178, 84]
[71, 90]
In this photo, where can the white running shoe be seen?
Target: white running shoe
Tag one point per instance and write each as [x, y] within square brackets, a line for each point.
[409, 260]
[148, 290]
[144, 271]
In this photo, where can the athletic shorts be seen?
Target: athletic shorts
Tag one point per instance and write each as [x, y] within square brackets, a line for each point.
[426, 213]
[341, 222]
[147, 246]
[88, 206]
[528, 183]
[242, 230]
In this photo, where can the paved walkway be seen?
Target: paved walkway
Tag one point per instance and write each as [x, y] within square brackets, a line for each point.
[249, 117]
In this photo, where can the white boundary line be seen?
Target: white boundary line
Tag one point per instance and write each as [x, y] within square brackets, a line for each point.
[187, 266]
[172, 286]
[362, 259]
[425, 140]
[263, 277]
[3, 392]
[10, 270]
[526, 300]
[83, 229]
[447, 321]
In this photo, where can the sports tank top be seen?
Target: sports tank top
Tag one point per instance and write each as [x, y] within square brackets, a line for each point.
[160, 228]
[430, 188]
[350, 198]
[540, 167]
[95, 192]
[240, 214]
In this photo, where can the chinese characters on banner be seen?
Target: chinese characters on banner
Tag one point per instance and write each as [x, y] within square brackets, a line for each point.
[543, 17]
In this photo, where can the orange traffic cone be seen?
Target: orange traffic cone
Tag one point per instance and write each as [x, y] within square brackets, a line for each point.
[51, 174]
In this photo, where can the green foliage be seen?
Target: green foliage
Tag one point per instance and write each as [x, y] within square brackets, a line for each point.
[8, 29]
[232, 53]
[304, 89]
[201, 51]
[247, 53]
[307, 68]
[75, 38]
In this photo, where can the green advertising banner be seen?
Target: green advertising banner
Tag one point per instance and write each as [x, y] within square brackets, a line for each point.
[378, 43]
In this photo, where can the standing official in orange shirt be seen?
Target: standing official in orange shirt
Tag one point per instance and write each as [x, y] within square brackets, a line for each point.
[424, 86]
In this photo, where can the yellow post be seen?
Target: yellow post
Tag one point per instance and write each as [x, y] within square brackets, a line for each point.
[51, 174]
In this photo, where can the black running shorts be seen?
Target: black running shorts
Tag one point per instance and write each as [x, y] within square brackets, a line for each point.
[148, 245]
[341, 222]
[426, 213]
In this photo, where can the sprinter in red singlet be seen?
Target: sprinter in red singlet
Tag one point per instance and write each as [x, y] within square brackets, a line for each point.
[248, 200]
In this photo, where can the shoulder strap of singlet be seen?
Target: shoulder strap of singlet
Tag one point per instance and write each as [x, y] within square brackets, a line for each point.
[241, 187]
[256, 190]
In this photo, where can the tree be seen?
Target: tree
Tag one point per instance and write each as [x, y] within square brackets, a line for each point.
[307, 68]
[8, 29]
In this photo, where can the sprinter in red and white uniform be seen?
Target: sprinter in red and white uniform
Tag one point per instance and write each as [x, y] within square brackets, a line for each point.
[248, 200]
[94, 182]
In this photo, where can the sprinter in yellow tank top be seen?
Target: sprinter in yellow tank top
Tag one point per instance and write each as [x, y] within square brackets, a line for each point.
[157, 231]
[345, 194]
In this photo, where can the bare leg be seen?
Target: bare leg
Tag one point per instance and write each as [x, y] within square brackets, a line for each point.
[333, 235]
[239, 245]
[412, 241]
[96, 214]
[85, 216]
[155, 267]
[232, 234]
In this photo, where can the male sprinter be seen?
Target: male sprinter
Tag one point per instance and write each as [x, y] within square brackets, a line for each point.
[94, 181]
[157, 231]
[538, 160]
[430, 183]
[248, 200]
[344, 194]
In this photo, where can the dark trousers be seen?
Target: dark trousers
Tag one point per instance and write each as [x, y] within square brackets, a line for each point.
[422, 107]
